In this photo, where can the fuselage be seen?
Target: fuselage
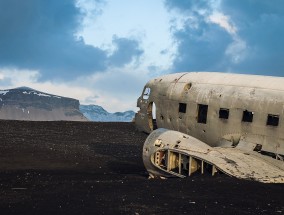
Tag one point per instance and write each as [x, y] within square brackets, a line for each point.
[216, 108]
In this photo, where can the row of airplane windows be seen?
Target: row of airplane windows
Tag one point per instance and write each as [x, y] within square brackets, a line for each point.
[272, 119]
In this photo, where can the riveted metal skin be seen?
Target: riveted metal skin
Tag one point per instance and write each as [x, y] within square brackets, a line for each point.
[168, 153]
[244, 112]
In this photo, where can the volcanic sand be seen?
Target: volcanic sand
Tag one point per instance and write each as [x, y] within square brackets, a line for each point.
[96, 168]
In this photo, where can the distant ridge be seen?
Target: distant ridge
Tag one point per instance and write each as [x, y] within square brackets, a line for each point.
[24, 103]
[23, 88]
[99, 114]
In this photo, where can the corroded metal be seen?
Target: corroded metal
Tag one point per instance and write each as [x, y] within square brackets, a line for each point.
[171, 153]
[231, 113]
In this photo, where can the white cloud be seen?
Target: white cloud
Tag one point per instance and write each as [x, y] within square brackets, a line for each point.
[17, 76]
[223, 21]
[237, 50]
[29, 78]
[145, 21]
[115, 90]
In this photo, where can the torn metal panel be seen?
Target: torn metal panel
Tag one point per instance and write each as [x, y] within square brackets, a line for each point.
[254, 105]
[218, 109]
[170, 153]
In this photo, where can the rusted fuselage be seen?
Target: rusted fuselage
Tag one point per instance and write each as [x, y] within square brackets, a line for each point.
[218, 109]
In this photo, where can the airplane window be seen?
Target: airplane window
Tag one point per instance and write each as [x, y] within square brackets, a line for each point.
[202, 113]
[224, 113]
[146, 93]
[187, 87]
[182, 108]
[272, 120]
[247, 116]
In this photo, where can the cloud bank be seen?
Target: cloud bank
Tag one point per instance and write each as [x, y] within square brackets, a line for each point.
[104, 51]
[40, 35]
[229, 36]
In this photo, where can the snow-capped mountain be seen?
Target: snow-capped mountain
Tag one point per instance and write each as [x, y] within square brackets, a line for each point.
[24, 103]
[97, 113]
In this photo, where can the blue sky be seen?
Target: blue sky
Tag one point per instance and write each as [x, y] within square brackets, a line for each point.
[104, 51]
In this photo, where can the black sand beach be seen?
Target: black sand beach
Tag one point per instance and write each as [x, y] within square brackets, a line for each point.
[96, 168]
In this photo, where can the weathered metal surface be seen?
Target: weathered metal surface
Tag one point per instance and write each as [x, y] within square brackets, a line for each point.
[172, 153]
[219, 109]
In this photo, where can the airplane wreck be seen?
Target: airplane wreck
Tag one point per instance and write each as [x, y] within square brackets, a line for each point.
[213, 122]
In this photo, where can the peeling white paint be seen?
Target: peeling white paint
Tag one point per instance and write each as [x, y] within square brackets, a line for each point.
[249, 99]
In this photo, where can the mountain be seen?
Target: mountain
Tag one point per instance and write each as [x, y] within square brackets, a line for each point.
[24, 103]
[97, 113]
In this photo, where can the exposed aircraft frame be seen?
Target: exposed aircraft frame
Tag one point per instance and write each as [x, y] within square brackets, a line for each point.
[238, 118]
